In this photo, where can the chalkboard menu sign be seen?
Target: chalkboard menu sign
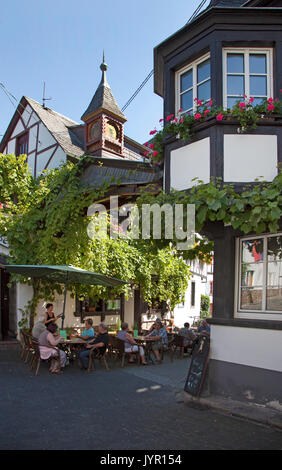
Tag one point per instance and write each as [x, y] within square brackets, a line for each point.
[198, 366]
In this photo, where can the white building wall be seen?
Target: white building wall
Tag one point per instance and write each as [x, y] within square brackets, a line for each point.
[188, 162]
[247, 346]
[245, 157]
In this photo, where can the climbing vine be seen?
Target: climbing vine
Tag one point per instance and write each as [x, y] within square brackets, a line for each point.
[45, 222]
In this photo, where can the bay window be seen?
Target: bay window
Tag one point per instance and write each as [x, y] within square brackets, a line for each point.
[246, 72]
[193, 81]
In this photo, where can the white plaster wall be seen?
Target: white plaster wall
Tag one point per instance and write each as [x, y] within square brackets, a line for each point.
[26, 114]
[11, 147]
[247, 346]
[247, 157]
[58, 157]
[18, 129]
[188, 162]
[70, 319]
[32, 139]
[42, 160]
[45, 137]
[129, 311]
[24, 295]
[187, 313]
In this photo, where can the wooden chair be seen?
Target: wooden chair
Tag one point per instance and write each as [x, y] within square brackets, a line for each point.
[99, 357]
[37, 358]
[28, 348]
[177, 343]
[118, 350]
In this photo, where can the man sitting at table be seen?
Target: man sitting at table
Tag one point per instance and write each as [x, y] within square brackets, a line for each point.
[88, 332]
[204, 328]
[98, 344]
[159, 339]
[189, 335]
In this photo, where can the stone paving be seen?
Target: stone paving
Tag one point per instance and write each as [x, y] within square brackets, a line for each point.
[130, 408]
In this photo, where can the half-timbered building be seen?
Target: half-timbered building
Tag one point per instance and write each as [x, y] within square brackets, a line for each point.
[231, 49]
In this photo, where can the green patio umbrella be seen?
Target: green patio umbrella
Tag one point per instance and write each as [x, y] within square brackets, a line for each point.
[64, 274]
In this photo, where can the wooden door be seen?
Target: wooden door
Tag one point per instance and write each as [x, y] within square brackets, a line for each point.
[4, 303]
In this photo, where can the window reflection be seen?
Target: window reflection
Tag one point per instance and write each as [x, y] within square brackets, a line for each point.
[252, 250]
[235, 63]
[258, 63]
[251, 299]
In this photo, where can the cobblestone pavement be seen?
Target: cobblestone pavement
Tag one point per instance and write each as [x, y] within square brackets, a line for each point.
[130, 408]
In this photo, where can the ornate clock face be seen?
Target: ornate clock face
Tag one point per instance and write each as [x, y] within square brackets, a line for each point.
[94, 130]
[111, 131]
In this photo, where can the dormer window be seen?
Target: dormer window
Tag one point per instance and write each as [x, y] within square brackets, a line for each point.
[193, 81]
[246, 72]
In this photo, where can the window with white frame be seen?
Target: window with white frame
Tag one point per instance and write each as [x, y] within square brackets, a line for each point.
[260, 274]
[246, 72]
[193, 81]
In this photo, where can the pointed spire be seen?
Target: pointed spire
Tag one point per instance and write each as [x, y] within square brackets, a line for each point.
[103, 98]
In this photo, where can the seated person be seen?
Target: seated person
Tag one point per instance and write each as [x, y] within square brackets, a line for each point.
[130, 345]
[159, 337]
[48, 340]
[98, 344]
[37, 329]
[189, 335]
[154, 324]
[88, 332]
[204, 328]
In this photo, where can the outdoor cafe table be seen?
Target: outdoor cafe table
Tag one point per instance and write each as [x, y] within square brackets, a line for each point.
[72, 346]
[147, 344]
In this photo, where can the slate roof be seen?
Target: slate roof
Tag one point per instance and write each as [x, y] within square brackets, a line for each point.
[116, 171]
[103, 98]
[70, 135]
[60, 127]
[226, 3]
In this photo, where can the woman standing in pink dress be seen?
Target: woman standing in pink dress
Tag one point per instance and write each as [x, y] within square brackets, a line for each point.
[48, 341]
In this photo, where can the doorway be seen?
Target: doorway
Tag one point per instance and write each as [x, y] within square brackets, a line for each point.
[4, 304]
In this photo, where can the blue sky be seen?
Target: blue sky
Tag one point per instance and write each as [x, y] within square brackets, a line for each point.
[61, 42]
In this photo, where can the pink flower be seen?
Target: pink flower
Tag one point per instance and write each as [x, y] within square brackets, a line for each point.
[180, 110]
[242, 104]
[199, 102]
[181, 120]
[281, 90]
[153, 132]
[175, 120]
[155, 153]
[219, 117]
[146, 144]
[161, 120]
[196, 99]
[210, 102]
[207, 111]
[197, 116]
[270, 107]
[151, 146]
[169, 118]
[251, 100]
[270, 100]
[1, 206]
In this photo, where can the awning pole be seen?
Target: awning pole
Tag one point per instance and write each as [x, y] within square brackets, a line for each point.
[65, 299]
